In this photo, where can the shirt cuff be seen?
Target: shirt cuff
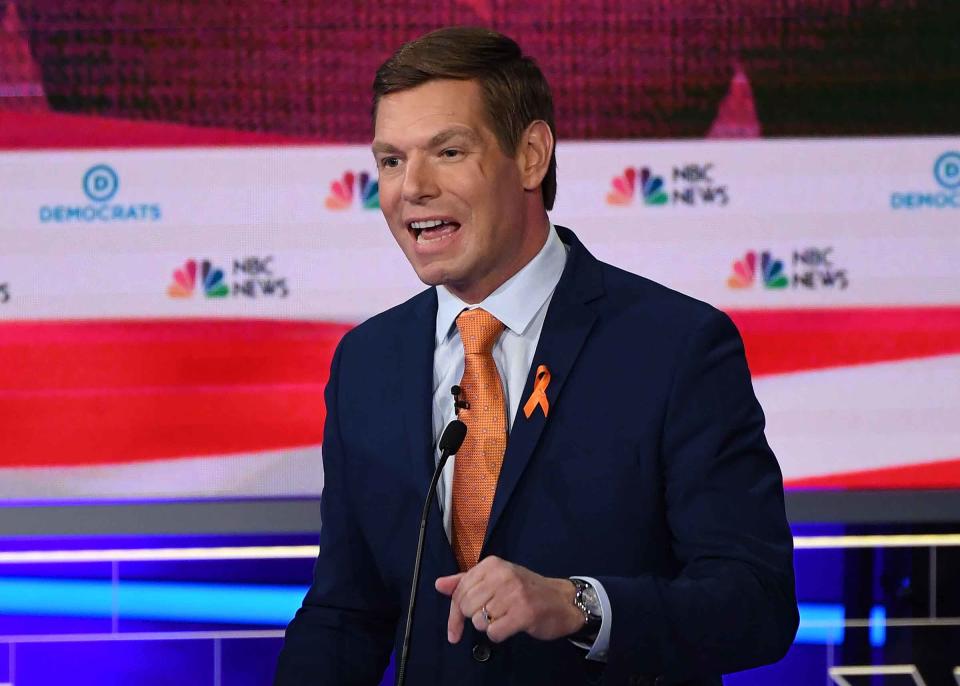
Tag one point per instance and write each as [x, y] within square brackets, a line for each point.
[598, 651]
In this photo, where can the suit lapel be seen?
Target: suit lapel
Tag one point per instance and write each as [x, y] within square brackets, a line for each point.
[416, 345]
[566, 327]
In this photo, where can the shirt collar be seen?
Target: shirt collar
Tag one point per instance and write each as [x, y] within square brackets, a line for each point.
[517, 301]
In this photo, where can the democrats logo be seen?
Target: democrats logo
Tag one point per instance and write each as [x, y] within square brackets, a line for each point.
[946, 174]
[691, 185]
[348, 189]
[101, 183]
[101, 187]
[811, 268]
[249, 277]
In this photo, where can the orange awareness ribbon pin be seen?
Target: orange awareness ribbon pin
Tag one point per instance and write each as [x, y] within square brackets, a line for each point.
[539, 395]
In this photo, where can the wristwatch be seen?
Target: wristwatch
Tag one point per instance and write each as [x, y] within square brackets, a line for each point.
[588, 602]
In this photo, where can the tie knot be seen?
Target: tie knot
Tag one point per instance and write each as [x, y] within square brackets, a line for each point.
[479, 330]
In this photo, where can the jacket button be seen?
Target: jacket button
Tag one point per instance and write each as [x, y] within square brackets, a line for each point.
[481, 652]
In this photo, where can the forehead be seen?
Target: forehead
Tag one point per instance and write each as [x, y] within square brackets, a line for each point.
[428, 108]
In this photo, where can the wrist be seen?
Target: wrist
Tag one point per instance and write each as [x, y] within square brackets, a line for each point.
[573, 619]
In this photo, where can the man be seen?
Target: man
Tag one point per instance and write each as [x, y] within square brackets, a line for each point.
[613, 435]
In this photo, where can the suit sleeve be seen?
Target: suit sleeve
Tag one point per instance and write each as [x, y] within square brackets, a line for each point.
[343, 633]
[733, 604]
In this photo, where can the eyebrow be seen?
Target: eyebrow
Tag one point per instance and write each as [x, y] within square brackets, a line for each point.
[437, 140]
[379, 146]
[453, 132]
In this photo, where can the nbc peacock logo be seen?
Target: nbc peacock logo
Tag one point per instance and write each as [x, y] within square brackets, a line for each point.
[745, 271]
[625, 186]
[185, 280]
[343, 190]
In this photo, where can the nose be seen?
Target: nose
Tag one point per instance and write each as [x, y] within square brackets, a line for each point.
[419, 183]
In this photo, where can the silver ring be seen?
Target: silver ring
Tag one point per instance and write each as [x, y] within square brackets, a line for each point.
[486, 615]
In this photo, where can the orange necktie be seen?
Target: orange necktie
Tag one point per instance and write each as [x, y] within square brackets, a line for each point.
[481, 455]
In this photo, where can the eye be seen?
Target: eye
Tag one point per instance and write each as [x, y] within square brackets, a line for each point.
[450, 153]
[390, 162]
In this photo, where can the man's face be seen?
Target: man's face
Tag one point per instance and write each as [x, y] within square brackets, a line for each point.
[453, 200]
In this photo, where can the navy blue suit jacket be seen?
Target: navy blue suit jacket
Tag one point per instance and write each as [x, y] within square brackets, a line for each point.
[651, 473]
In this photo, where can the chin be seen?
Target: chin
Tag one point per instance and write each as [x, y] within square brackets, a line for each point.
[431, 275]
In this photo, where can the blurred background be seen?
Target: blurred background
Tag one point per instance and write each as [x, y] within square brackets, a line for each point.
[189, 223]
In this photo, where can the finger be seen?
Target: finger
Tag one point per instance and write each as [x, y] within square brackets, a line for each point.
[490, 560]
[484, 617]
[474, 588]
[480, 622]
[503, 628]
[468, 582]
[497, 607]
[475, 597]
[455, 623]
[448, 584]
[458, 615]
[488, 612]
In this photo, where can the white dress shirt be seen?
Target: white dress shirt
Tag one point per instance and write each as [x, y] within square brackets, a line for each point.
[521, 304]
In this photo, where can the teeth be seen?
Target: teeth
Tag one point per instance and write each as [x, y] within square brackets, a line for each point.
[428, 224]
[421, 238]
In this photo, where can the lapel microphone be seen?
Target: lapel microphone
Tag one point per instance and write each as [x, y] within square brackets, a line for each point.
[450, 442]
[458, 404]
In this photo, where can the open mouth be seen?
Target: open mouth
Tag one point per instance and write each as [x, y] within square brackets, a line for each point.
[432, 230]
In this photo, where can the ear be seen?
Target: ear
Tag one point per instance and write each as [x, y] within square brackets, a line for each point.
[534, 153]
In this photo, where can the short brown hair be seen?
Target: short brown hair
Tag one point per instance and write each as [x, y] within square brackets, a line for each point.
[514, 89]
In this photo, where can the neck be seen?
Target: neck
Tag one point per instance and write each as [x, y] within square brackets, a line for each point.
[478, 291]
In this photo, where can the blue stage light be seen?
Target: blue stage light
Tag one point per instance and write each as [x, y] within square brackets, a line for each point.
[878, 626]
[193, 602]
[820, 623]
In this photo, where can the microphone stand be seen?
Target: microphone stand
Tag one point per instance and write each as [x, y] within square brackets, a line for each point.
[450, 443]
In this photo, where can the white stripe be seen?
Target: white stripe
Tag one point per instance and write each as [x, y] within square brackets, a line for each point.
[290, 473]
[311, 551]
[270, 200]
[864, 417]
[161, 554]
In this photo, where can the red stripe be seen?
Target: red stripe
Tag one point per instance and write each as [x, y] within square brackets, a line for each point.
[47, 130]
[781, 341]
[133, 354]
[121, 391]
[939, 474]
[80, 393]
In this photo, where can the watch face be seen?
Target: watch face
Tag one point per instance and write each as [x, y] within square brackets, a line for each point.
[592, 601]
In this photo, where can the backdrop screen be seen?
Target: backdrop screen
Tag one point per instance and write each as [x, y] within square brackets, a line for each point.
[190, 221]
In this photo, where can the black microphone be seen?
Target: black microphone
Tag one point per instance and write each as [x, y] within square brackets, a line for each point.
[450, 442]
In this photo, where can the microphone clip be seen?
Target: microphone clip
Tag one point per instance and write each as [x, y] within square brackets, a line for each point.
[458, 404]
